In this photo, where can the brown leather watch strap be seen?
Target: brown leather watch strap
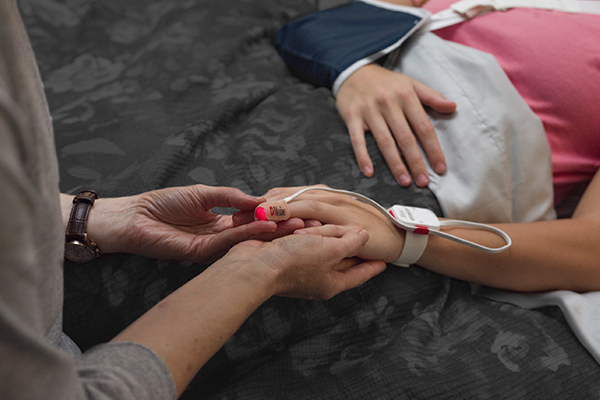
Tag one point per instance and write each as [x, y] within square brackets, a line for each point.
[76, 228]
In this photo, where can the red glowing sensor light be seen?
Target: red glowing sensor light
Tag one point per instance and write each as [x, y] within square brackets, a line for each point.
[260, 214]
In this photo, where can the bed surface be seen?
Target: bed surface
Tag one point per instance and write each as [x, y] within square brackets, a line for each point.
[150, 94]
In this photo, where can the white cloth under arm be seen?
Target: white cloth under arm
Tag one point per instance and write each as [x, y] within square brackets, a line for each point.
[581, 310]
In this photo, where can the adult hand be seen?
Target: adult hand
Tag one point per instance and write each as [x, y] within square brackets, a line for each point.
[338, 213]
[177, 223]
[390, 106]
[307, 266]
[189, 326]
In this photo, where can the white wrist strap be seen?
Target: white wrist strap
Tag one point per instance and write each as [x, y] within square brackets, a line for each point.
[414, 246]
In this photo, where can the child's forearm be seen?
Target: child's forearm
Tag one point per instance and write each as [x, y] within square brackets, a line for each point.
[562, 254]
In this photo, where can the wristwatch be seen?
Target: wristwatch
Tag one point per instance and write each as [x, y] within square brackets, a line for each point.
[78, 246]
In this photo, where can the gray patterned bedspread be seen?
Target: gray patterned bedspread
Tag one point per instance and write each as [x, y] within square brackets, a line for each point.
[149, 94]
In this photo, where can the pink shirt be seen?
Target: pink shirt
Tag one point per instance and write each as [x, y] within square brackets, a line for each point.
[553, 60]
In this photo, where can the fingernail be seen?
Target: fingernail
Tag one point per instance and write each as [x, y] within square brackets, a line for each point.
[404, 180]
[301, 232]
[363, 235]
[440, 167]
[422, 180]
[367, 171]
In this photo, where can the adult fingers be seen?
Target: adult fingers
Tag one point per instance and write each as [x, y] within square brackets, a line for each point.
[314, 260]
[242, 217]
[214, 245]
[284, 228]
[349, 244]
[357, 275]
[333, 244]
[210, 197]
[347, 263]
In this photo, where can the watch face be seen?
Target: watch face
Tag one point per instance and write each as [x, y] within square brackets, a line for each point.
[79, 252]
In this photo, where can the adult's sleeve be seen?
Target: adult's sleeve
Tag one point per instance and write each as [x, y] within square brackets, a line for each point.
[124, 371]
[324, 48]
[31, 367]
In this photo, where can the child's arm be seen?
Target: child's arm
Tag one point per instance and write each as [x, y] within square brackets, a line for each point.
[548, 255]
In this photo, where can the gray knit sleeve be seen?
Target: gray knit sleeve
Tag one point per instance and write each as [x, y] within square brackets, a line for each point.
[124, 371]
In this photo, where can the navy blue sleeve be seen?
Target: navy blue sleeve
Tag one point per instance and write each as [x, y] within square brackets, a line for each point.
[320, 46]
